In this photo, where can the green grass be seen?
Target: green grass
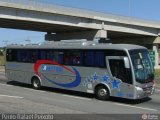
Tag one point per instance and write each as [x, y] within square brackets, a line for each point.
[157, 73]
[158, 85]
[157, 77]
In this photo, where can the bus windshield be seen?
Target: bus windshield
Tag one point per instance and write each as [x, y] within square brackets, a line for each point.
[142, 65]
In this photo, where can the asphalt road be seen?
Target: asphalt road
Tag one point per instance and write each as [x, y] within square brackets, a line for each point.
[20, 98]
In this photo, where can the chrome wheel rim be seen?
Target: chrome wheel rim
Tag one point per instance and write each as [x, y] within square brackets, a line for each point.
[102, 92]
[35, 83]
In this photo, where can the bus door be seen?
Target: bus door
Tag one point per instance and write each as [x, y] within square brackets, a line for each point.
[121, 82]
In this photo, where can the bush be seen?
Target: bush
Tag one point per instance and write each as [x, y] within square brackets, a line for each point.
[2, 62]
[157, 73]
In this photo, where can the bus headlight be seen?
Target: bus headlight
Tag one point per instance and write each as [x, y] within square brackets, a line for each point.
[139, 92]
[139, 89]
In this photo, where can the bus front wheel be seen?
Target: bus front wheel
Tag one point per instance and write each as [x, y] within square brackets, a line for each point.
[102, 93]
[36, 84]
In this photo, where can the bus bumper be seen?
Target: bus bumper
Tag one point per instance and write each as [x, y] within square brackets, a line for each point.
[144, 92]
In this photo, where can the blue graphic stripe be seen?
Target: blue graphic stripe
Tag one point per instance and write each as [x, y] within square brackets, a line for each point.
[75, 83]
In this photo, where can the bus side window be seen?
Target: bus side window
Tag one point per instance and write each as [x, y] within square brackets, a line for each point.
[42, 54]
[23, 56]
[34, 56]
[75, 56]
[19, 55]
[66, 57]
[89, 58]
[55, 56]
[60, 57]
[28, 56]
[12, 55]
[72, 57]
[49, 54]
[119, 71]
[100, 59]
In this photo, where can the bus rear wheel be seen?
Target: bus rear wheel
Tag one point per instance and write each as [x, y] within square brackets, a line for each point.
[102, 93]
[36, 84]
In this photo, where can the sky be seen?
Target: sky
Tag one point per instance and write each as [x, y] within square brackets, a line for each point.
[142, 9]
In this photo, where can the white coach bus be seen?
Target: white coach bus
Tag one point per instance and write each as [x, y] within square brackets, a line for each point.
[118, 70]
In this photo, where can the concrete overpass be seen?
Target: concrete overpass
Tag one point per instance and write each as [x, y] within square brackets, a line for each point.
[71, 23]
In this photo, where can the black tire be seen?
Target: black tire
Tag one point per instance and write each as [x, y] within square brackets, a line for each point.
[36, 84]
[102, 93]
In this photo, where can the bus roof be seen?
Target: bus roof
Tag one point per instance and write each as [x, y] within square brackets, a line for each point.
[59, 45]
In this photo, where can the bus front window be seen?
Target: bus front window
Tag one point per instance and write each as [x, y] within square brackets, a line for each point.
[142, 65]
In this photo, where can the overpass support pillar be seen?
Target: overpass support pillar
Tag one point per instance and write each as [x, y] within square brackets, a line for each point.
[156, 48]
[89, 35]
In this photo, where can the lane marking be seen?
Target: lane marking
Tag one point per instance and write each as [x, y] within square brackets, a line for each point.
[72, 97]
[6, 85]
[136, 107]
[76, 97]
[41, 91]
[23, 87]
[11, 96]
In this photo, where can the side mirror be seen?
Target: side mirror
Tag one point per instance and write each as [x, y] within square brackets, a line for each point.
[126, 62]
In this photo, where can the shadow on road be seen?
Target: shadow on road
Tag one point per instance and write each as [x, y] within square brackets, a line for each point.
[81, 94]
[55, 90]
[129, 101]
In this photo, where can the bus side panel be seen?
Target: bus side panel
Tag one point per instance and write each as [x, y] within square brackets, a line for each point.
[122, 90]
[82, 79]
[21, 72]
